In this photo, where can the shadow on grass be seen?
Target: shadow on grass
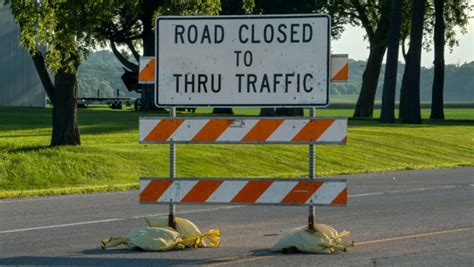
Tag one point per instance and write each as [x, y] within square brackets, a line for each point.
[27, 149]
[108, 121]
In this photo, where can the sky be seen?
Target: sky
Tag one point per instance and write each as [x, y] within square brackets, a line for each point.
[352, 43]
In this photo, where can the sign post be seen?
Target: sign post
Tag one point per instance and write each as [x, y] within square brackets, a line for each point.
[172, 169]
[311, 173]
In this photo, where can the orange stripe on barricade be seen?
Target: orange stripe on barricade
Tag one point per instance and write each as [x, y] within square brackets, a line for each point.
[212, 130]
[163, 130]
[341, 199]
[252, 191]
[343, 74]
[202, 191]
[312, 130]
[154, 190]
[262, 130]
[148, 73]
[301, 192]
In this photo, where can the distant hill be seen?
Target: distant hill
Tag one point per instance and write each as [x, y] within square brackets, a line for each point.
[102, 70]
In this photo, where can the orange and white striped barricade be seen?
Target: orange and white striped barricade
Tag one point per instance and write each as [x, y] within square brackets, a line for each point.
[186, 72]
[339, 68]
[238, 191]
[146, 74]
[245, 130]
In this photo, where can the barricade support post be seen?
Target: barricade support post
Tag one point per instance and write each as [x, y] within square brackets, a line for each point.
[172, 169]
[312, 172]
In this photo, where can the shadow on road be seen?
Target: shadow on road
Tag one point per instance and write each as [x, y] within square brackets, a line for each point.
[110, 257]
[25, 260]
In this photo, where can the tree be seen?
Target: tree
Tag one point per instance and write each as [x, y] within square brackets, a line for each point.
[373, 16]
[390, 79]
[410, 92]
[437, 111]
[454, 17]
[447, 15]
[55, 34]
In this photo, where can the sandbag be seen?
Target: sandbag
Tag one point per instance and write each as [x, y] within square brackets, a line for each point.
[323, 239]
[160, 237]
[149, 239]
[207, 240]
[189, 231]
[185, 227]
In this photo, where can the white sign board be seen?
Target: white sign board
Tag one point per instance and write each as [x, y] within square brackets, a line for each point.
[243, 61]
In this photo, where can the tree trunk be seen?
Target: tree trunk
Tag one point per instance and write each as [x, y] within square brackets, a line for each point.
[63, 96]
[437, 110]
[40, 66]
[378, 44]
[390, 79]
[365, 103]
[65, 128]
[410, 93]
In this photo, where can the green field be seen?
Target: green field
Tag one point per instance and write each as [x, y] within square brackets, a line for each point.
[110, 157]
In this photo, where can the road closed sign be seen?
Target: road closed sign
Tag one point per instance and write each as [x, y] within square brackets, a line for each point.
[243, 61]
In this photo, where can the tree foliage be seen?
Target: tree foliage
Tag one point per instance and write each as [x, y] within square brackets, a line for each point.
[455, 17]
[59, 29]
[57, 34]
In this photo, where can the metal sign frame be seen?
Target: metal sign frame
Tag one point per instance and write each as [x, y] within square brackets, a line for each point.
[242, 17]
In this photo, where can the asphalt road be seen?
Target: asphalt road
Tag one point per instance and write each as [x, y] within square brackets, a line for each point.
[399, 218]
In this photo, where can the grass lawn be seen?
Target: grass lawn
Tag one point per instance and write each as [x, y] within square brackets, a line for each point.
[110, 157]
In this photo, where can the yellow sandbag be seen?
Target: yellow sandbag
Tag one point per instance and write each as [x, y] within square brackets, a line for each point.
[324, 239]
[189, 231]
[185, 227]
[209, 239]
[160, 237]
[149, 239]
[112, 242]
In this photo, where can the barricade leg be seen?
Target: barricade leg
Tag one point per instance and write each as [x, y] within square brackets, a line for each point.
[172, 169]
[311, 173]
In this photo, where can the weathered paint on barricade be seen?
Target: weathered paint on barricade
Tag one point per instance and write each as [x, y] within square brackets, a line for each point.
[245, 130]
[236, 191]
